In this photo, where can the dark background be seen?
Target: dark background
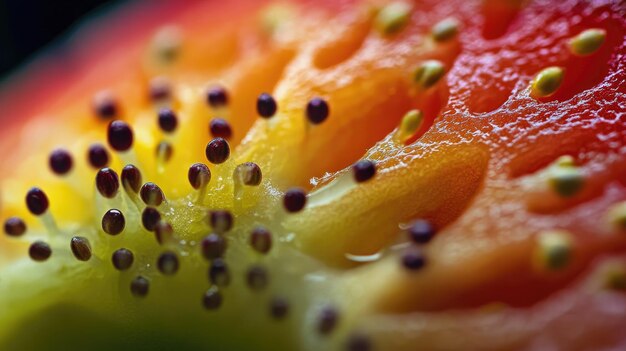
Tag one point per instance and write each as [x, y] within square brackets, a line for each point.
[27, 26]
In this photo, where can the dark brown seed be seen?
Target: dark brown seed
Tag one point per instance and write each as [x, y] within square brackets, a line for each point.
[219, 273]
[217, 97]
[421, 231]
[220, 128]
[413, 259]
[294, 200]
[131, 179]
[221, 221]
[261, 240]
[98, 156]
[168, 263]
[140, 286]
[279, 308]
[248, 173]
[150, 217]
[163, 232]
[167, 120]
[105, 106]
[327, 320]
[39, 251]
[107, 182]
[113, 222]
[122, 259]
[81, 248]
[159, 89]
[212, 299]
[363, 170]
[358, 342]
[257, 278]
[217, 151]
[317, 110]
[60, 161]
[199, 175]
[37, 201]
[120, 136]
[151, 194]
[213, 246]
[164, 151]
[14, 226]
[266, 105]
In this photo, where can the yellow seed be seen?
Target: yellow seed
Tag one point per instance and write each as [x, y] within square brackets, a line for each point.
[565, 161]
[566, 181]
[587, 42]
[393, 17]
[617, 215]
[615, 277]
[275, 16]
[445, 29]
[411, 122]
[166, 43]
[564, 177]
[547, 82]
[429, 73]
[554, 249]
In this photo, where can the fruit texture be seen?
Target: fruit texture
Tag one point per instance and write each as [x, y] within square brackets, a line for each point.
[320, 175]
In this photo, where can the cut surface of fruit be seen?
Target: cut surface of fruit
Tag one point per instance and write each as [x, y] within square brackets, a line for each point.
[320, 175]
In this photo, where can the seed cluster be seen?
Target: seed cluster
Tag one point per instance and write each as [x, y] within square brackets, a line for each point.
[152, 204]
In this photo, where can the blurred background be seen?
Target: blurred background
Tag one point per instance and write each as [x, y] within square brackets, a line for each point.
[28, 26]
